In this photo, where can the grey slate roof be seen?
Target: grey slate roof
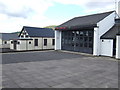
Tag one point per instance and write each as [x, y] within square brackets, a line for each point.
[38, 32]
[118, 33]
[111, 34]
[89, 20]
[8, 36]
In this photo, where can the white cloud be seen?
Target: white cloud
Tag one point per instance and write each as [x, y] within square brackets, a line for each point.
[16, 13]
[91, 6]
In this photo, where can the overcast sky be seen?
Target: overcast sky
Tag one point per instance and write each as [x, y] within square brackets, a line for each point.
[14, 14]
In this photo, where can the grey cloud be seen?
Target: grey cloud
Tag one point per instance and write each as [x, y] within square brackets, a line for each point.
[2, 7]
[93, 5]
[24, 13]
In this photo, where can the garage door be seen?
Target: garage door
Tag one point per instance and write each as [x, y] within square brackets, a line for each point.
[79, 41]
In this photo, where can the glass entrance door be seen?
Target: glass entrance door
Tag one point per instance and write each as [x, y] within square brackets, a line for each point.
[79, 41]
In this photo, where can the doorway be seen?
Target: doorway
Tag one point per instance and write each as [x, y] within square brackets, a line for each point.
[114, 47]
[78, 41]
[15, 44]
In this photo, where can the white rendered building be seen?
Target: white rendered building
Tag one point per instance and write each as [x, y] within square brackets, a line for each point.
[89, 34]
[33, 38]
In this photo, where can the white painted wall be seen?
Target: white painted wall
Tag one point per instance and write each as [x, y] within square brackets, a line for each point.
[118, 8]
[30, 46]
[6, 45]
[103, 26]
[49, 43]
[39, 43]
[118, 47]
[11, 45]
[57, 40]
[106, 24]
[107, 47]
[0, 43]
[22, 45]
[25, 45]
[96, 39]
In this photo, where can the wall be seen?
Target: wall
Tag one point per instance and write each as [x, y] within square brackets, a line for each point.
[6, 45]
[118, 47]
[25, 45]
[107, 47]
[22, 45]
[118, 8]
[30, 46]
[57, 40]
[11, 45]
[49, 43]
[39, 43]
[103, 26]
[0, 43]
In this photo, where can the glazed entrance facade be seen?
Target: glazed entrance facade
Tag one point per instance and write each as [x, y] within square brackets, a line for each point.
[78, 41]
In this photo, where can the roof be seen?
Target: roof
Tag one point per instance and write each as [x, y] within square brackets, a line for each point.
[89, 20]
[8, 36]
[38, 32]
[111, 34]
[118, 33]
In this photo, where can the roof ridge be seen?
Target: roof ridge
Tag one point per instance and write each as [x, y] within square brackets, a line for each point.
[7, 33]
[93, 14]
[35, 27]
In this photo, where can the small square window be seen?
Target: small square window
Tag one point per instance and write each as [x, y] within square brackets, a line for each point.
[11, 42]
[24, 33]
[29, 42]
[22, 36]
[18, 42]
[5, 42]
[26, 36]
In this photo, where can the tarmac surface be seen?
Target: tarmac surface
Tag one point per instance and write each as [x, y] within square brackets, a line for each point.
[54, 69]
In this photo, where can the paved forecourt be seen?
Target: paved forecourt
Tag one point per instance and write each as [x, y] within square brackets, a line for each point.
[53, 69]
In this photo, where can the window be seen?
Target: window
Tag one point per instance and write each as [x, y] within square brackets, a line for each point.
[53, 41]
[77, 33]
[81, 38]
[24, 33]
[5, 42]
[18, 42]
[22, 36]
[87, 33]
[85, 39]
[45, 42]
[81, 33]
[90, 45]
[36, 42]
[11, 42]
[90, 33]
[90, 39]
[26, 36]
[85, 44]
[81, 44]
[29, 42]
